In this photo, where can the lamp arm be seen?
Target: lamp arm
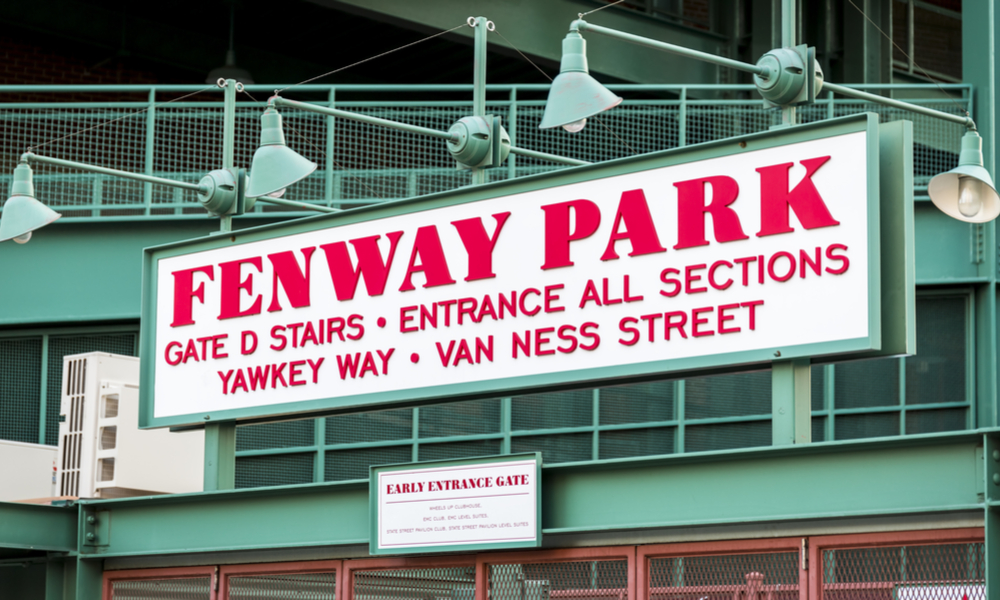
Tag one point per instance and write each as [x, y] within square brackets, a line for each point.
[293, 203]
[546, 156]
[581, 25]
[444, 135]
[336, 112]
[29, 157]
[930, 112]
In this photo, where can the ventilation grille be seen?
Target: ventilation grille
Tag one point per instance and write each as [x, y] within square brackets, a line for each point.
[109, 437]
[106, 469]
[72, 411]
[110, 406]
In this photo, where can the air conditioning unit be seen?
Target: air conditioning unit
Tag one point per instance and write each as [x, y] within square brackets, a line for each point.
[102, 452]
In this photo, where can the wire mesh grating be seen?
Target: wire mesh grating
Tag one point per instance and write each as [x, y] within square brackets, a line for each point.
[933, 572]
[293, 586]
[773, 575]
[191, 588]
[446, 583]
[592, 579]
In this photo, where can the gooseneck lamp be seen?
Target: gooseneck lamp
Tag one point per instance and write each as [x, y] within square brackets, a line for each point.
[22, 213]
[784, 77]
[275, 166]
[575, 95]
[966, 192]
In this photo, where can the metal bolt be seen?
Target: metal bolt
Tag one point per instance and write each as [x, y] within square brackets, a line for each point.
[996, 478]
[92, 519]
[996, 455]
[91, 537]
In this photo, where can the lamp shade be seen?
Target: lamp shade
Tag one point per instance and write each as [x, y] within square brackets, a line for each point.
[22, 214]
[275, 166]
[574, 94]
[967, 192]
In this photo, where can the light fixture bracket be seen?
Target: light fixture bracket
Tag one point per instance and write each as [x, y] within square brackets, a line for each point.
[222, 192]
[479, 142]
[788, 80]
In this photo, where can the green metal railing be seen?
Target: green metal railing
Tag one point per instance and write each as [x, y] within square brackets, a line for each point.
[141, 129]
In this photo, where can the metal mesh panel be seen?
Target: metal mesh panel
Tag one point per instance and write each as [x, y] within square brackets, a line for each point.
[60, 346]
[276, 435]
[817, 380]
[459, 449]
[770, 575]
[937, 372]
[739, 394]
[460, 418]
[636, 442]
[592, 579]
[932, 421]
[637, 403]
[567, 447]
[723, 436]
[296, 586]
[360, 163]
[370, 427]
[940, 572]
[852, 427]
[191, 588]
[867, 383]
[548, 411]
[342, 465]
[451, 583]
[20, 385]
[278, 469]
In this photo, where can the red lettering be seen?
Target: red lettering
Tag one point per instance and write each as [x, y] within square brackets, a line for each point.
[433, 264]
[845, 263]
[691, 211]
[478, 245]
[375, 270]
[557, 233]
[292, 279]
[804, 199]
[231, 286]
[639, 229]
[184, 291]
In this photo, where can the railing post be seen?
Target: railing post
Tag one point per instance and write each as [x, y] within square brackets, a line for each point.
[147, 193]
[479, 84]
[682, 128]
[512, 132]
[328, 164]
[228, 140]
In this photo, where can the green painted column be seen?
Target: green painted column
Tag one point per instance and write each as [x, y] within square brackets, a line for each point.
[791, 402]
[479, 84]
[980, 22]
[220, 456]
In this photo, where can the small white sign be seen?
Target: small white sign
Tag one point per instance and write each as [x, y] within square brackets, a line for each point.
[471, 504]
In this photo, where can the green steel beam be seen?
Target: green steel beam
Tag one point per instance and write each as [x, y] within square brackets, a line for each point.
[38, 527]
[917, 474]
[825, 480]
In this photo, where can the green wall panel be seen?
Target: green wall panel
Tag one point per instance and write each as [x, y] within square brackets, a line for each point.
[943, 246]
[77, 272]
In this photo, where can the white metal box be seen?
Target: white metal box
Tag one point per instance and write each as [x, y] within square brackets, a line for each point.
[26, 471]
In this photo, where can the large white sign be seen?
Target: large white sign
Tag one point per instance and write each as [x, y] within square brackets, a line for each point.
[472, 504]
[729, 260]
